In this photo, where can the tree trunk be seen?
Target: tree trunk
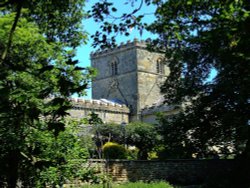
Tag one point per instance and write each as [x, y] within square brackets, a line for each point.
[12, 169]
[142, 155]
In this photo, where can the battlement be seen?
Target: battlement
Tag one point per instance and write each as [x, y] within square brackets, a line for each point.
[99, 105]
[123, 46]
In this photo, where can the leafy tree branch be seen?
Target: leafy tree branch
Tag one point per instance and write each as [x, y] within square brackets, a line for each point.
[11, 33]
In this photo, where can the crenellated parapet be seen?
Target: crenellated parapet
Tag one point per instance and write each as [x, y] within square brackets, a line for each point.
[121, 47]
[99, 105]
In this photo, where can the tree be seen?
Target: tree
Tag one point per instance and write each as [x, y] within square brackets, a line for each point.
[144, 136]
[55, 159]
[37, 75]
[115, 22]
[104, 133]
[46, 15]
[201, 37]
[109, 132]
[141, 135]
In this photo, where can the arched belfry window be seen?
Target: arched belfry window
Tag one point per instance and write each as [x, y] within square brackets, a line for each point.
[114, 66]
[160, 66]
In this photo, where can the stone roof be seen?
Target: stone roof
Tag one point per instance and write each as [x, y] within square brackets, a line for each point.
[159, 106]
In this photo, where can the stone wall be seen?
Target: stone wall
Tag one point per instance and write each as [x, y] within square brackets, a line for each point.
[149, 80]
[107, 111]
[121, 86]
[137, 80]
[183, 172]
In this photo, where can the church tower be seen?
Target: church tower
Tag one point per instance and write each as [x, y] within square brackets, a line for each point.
[129, 74]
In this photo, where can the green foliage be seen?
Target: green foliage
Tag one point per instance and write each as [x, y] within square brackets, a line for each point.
[116, 22]
[37, 75]
[46, 15]
[144, 136]
[65, 154]
[93, 119]
[105, 133]
[132, 153]
[113, 150]
[108, 133]
[199, 38]
[137, 185]
[145, 185]
[141, 135]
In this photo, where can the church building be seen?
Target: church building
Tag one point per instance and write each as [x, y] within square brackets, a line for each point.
[127, 85]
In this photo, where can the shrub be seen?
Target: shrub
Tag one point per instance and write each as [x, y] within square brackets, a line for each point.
[144, 136]
[112, 150]
[132, 153]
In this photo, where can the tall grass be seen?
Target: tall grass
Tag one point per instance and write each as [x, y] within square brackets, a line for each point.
[133, 185]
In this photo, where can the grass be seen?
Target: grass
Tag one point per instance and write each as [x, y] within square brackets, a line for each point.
[133, 185]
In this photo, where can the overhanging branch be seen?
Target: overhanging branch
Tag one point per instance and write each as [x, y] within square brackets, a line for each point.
[13, 28]
[5, 3]
[9, 2]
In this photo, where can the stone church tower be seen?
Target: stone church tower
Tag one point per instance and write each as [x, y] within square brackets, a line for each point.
[130, 75]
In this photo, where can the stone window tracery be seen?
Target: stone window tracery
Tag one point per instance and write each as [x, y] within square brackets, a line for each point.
[160, 66]
[114, 66]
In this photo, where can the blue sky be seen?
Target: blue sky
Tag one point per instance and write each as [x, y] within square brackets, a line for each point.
[83, 52]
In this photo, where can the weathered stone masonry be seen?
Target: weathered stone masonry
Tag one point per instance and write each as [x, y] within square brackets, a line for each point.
[107, 111]
[186, 172]
[129, 78]
[129, 74]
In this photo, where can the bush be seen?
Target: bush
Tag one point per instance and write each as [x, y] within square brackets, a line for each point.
[113, 150]
[60, 158]
[144, 136]
[132, 153]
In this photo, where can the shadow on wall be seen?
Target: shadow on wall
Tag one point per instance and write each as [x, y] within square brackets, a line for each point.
[209, 173]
